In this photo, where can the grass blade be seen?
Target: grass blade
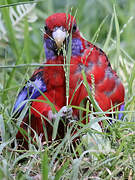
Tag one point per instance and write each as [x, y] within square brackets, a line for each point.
[109, 35]
[45, 168]
[61, 170]
[92, 99]
[118, 38]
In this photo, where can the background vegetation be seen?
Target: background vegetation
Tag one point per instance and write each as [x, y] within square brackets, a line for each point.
[108, 24]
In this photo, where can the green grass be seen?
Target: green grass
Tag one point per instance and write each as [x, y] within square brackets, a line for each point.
[98, 155]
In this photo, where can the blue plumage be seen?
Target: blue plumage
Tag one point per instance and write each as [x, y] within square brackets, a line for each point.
[31, 90]
[121, 109]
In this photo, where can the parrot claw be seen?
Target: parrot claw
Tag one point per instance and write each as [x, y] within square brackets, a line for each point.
[66, 113]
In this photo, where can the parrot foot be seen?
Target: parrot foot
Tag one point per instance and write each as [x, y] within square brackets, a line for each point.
[66, 113]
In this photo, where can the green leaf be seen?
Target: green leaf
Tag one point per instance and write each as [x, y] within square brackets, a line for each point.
[92, 99]
[109, 35]
[26, 41]
[95, 37]
[60, 172]
[45, 168]
[118, 38]
[10, 30]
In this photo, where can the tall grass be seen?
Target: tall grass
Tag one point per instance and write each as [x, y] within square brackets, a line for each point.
[98, 155]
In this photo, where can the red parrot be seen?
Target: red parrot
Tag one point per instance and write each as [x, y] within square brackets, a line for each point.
[49, 83]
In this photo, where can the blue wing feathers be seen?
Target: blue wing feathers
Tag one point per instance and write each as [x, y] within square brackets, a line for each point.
[122, 107]
[31, 90]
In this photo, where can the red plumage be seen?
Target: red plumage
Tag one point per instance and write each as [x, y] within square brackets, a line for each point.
[50, 80]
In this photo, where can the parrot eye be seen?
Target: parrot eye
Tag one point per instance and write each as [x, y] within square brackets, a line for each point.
[74, 28]
[46, 29]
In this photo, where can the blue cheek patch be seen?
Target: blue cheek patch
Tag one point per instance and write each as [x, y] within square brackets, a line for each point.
[76, 47]
[49, 47]
[30, 91]
[121, 109]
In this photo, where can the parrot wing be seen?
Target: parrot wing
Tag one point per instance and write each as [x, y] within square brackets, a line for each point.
[32, 89]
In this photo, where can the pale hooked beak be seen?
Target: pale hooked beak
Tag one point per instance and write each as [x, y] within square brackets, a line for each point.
[59, 36]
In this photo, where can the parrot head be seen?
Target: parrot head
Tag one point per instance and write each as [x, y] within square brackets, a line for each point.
[58, 28]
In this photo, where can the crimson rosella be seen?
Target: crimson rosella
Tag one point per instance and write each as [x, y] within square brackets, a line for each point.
[49, 83]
